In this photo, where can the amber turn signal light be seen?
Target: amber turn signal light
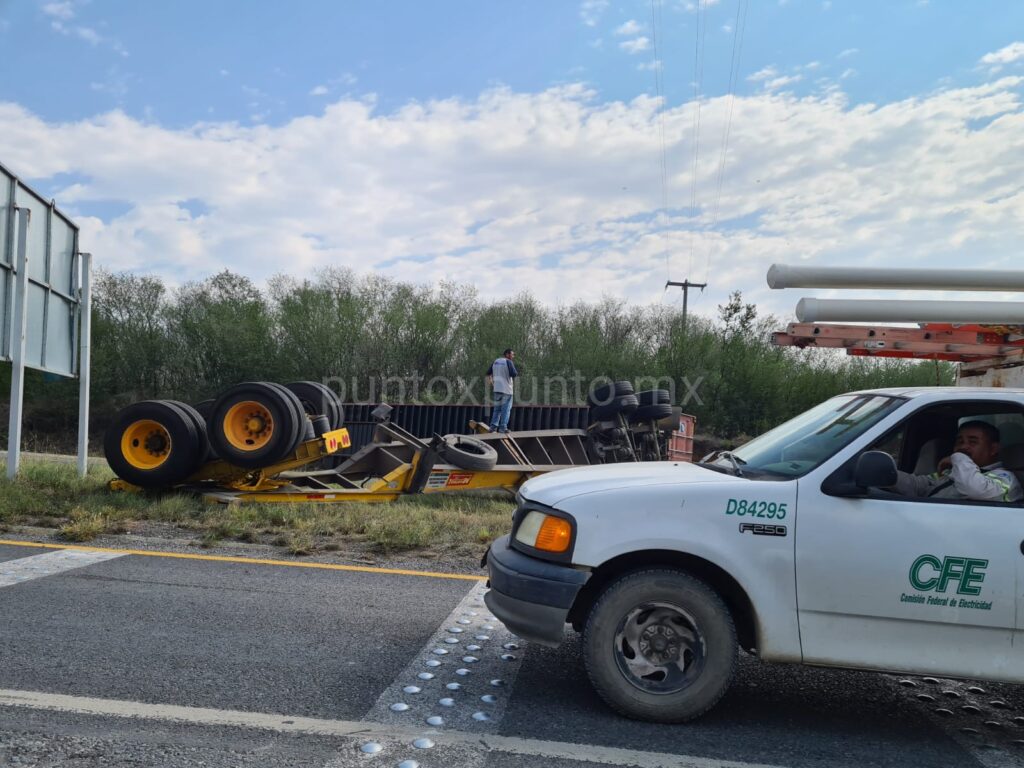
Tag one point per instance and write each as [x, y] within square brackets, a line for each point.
[555, 535]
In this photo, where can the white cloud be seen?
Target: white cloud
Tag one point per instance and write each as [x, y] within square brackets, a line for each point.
[62, 10]
[781, 82]
[224, 73]
[727, 28]
[631, 27]
[555, 192]
[650, 66]
[592, 10]
[88, 34]
[765, 73]
[636, 45]
[847, 52]
[1009, 54]
[320, 90]
[847, 73]
[693, 7]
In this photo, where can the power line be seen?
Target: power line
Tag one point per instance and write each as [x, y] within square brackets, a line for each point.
[737, 51]
[659, 90]
[698, 77]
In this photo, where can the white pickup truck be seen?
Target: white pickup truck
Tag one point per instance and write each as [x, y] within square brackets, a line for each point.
[790, 547]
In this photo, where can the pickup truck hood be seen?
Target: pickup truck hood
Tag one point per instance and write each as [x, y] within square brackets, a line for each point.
[555, 487]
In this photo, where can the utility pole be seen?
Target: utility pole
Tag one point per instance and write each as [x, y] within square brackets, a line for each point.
[686, 285]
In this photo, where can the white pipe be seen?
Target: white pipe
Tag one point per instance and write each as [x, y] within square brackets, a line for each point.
[789, 276]
[885, 311]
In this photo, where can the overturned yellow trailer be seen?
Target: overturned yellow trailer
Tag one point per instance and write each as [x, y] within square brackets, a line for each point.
[393, 464]
[265, 442]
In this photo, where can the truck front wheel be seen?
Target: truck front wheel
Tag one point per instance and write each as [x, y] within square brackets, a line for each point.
[660, 645]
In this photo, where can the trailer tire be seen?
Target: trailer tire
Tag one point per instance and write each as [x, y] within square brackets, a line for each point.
[655, 412]
[319, 400]
[255, 424]
[654, 397]
[199, 421]
[152, 444]
[605, 394]
[203, 407]
[625, 404]
[468, 453]
[302, 428]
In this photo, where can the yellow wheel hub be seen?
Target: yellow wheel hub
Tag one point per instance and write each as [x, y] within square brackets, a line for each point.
[248, 425]
[145, 444]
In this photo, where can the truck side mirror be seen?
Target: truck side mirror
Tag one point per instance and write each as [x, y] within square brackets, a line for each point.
[875, 469]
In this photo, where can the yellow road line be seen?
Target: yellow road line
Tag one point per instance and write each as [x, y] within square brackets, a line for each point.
[245, 560]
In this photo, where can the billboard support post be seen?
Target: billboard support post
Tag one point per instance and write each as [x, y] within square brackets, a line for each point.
[85, 313]
[18, 329]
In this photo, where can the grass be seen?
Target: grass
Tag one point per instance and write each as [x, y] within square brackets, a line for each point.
[80, 509]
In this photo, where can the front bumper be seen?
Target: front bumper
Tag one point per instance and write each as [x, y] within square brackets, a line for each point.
[531, 597]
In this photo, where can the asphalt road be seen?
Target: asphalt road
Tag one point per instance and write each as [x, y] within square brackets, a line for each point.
[131, 660]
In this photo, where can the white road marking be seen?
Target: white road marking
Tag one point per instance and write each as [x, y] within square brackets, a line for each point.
[83, 705]
[463, 675]
[39, 566]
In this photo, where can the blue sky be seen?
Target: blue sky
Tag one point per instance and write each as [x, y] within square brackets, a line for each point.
[518, 146]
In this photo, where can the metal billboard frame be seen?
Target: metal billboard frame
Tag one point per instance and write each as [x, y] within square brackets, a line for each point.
[42, 277]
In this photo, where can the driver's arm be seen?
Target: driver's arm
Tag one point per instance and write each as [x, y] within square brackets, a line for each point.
[915, 485]
[975, 484]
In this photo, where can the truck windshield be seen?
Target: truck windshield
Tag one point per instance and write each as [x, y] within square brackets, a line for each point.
[802, 443]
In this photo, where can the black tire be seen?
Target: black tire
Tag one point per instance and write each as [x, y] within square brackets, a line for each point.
[280, 407]
[653, 397]
[604, 394]
[200, 423]
[636, 680]
[647, 413]
[204, 407]
[175, 444]
[321, 425]
[468, 453]
[301, 420]
[625, 404]
[319, 400]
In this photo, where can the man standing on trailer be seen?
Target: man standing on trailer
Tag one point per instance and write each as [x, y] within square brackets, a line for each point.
[500, 376]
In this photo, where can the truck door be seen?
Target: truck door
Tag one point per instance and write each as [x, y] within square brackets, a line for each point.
[913, 584]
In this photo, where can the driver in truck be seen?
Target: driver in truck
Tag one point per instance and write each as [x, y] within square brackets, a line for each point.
[972, 472]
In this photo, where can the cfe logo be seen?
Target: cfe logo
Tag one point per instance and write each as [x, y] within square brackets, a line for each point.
[929, 573]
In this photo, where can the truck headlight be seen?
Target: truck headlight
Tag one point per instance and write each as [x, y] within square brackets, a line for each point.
[545, 532]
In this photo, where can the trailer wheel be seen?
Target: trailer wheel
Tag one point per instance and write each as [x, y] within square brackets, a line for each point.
[319, 400]
[653, 397]
[625, 404]
[655, 412]
[468, 453]
[152, 444]
[605, 394]
[204, 407]
[303, 427]
[200, 423]
[255, 424]
[660, 645]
